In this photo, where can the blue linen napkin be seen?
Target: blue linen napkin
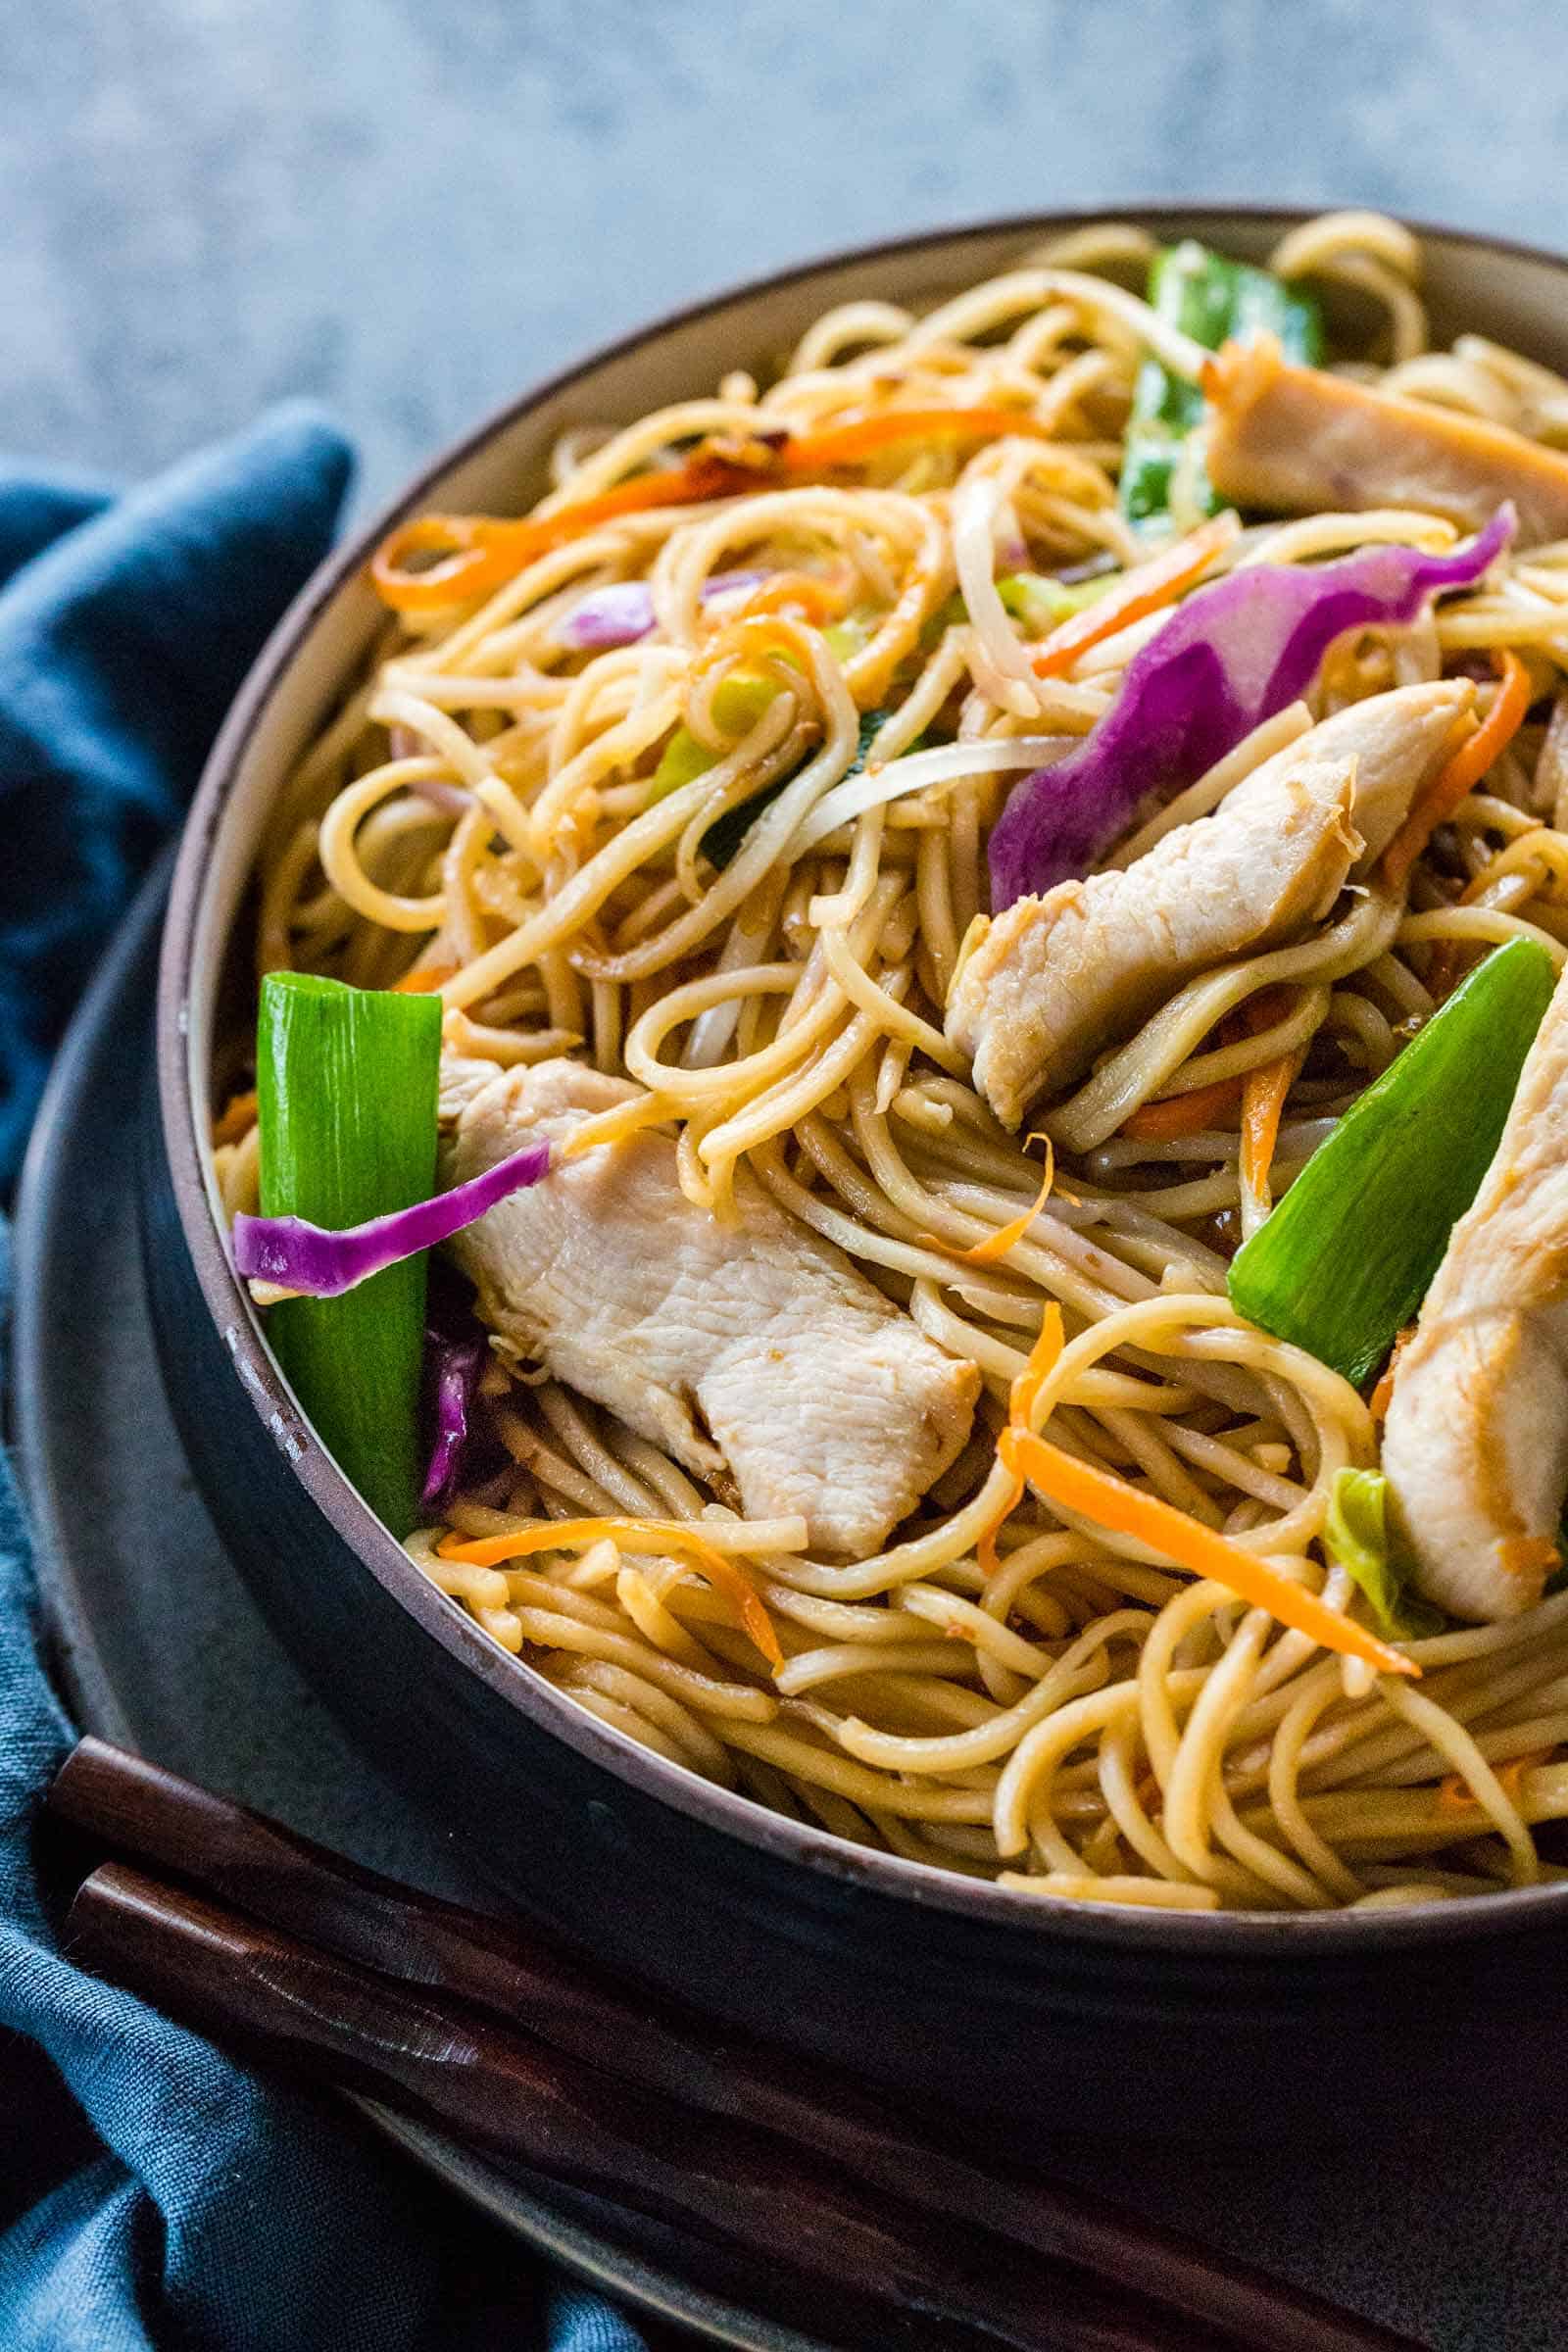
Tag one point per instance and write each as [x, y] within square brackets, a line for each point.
[153, 2193]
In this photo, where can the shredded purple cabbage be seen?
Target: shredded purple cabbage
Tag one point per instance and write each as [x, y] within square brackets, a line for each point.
[300, 1256]
[623, 612]
[1230, 656]
[453, 1367]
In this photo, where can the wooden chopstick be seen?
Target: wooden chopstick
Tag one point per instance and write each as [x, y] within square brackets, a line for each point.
[499, 2089]
[514, 1974]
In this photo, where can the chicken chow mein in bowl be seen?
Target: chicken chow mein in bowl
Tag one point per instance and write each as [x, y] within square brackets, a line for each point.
[903, 1105]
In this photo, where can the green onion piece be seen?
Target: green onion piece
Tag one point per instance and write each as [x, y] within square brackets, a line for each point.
[1043, 601]
[346, 1102]
[1356, 1533]
[738, 704]
[1346, 1259]
[1211, 299]
[1032, 597]
[849, 636]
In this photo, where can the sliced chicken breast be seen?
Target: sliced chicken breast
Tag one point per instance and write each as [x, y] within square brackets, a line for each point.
[750, 1345]
[1054, 980]
[1299, 440]
[1475, 1446]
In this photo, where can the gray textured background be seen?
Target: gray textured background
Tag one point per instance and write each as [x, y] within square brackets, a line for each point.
[411, 207]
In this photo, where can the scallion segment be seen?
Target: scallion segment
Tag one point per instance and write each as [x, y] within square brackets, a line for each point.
[346, 1088]
[1344, 1260]
[1211, 299]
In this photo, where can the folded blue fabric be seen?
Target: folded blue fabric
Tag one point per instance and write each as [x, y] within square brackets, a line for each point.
[151, 2193]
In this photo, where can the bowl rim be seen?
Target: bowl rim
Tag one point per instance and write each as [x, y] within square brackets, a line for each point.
[1043, 1919]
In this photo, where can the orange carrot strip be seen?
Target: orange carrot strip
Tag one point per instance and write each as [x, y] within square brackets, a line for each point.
[1182, 1114]
[1188, 1114]
[476, 553]
[996, 1244]
[848, 444]
[1111, 1502]
[422, 980]
[1263, 1096]
[1145, 589]
[1048, 1346]
[1021, 1403]
[632, 1535]
[1465, 769]
[237, 1118]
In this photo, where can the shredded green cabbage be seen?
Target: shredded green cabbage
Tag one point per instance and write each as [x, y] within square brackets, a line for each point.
[1356, 1533]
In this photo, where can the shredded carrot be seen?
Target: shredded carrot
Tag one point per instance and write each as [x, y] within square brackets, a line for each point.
[1383, 1393]
[237, 1118]
[1145, 589]
[473, 553]
[849, 444]
[1174, 1115]
[1111, 1502]
[476, 553]
[423, 980]
[1025, 1388]
[996, 1244]
[1048, 1346]
[1465, 769]
[1182, 1114]
[1456, 1794]
[632, 1535]
[1263, 1098]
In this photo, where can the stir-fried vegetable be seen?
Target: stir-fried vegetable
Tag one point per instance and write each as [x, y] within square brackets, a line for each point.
[1106, 1501]
[320, 1261]
[1137, 594]
[469, 555]
[996, 1245]
[1041, 600]
[1465, 771]
[738, 704]
[726, 1576]
[346, 1086]
[1212, 300]
[1346, 1259]
[1356, 1533]
[1232, 656]
[453, 1367]
[622, 611]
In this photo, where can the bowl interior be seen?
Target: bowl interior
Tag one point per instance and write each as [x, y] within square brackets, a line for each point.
[1511, 293]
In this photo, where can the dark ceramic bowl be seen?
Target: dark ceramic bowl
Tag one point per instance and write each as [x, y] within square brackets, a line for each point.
[1051, 2016]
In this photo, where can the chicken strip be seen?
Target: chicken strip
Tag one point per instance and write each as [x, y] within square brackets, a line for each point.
[1298, 440]
[1054, 980]
[1475, 1446]
[749, 1343]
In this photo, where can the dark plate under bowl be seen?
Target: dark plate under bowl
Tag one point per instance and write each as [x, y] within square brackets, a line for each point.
[1051, 2016]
